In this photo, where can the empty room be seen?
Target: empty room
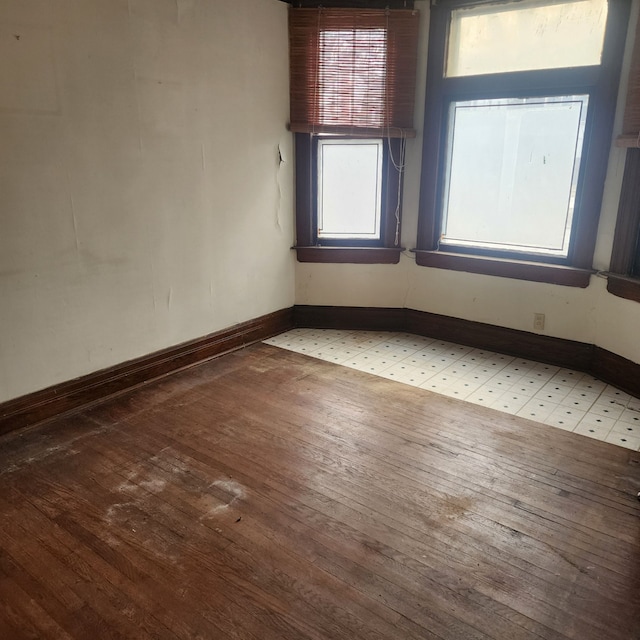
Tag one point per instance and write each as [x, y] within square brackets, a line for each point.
[320, 320]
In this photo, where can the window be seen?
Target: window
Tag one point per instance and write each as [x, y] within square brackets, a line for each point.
[536, 34]
[352, 95]
[349, 189]
[518, 119]
[624, 275]
[511, 173]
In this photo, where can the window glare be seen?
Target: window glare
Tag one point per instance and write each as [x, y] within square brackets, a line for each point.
[512, 169]
[536, 35]
[349, 188]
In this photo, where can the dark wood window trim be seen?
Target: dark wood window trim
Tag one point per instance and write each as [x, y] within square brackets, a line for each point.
[576, 269]
[624, 286]
[520, 270]
[308, 248]
[624, 275]
[352, 255]
[329, 95]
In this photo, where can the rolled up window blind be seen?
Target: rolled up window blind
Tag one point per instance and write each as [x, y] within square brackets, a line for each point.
[631, 123]
[353, 71]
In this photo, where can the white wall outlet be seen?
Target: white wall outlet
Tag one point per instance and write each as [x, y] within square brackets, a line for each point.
[538, 321]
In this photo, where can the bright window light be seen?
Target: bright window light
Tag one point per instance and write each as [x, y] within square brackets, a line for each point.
[526, 35]
[511, 173]
[349, 188]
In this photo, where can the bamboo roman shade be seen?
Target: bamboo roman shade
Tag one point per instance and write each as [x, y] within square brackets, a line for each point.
[631, 124]
[353, 71]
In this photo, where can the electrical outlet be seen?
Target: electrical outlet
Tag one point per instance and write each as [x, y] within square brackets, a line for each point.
[538, 321]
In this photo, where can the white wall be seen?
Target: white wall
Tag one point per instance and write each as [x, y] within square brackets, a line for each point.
[142, 202]
[589, 315]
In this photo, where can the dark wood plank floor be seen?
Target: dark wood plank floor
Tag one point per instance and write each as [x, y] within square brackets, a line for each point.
[266, 495]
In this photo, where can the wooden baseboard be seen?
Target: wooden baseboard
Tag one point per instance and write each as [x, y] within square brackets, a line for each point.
[616, 370]
[364, 318]
[67, 396]
[522, 344]
[609, 367]
[566, 353]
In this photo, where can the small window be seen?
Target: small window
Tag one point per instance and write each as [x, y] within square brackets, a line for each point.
[525, 36]
[352, 73]
[349, 189]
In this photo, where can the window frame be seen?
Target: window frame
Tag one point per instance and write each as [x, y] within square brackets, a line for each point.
[623, 278]
[599, 82]
[489, 251]
[345, 239]
[401, 23]
[308, 246]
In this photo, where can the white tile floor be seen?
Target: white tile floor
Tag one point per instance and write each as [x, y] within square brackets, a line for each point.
[563, 398]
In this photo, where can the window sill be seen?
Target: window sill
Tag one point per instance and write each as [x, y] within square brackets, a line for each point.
[353, 255]
[519, 270]
[624, 286]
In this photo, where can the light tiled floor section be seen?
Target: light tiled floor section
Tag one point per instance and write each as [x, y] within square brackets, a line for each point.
[562, 398]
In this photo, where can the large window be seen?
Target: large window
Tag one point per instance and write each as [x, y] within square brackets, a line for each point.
[352, 95]
[519, 113]
[511, 173]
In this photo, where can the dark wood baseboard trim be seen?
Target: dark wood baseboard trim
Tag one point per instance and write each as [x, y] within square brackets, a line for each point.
[566, 353]
[616, 370]
[365, 318]
[67, 396]
[609, 367]
[522, 344]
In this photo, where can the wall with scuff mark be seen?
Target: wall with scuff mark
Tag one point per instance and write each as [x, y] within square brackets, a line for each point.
[145, 178]
[590, 315]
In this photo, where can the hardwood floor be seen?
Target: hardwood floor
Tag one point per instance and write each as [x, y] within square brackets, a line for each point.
[267, 495]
